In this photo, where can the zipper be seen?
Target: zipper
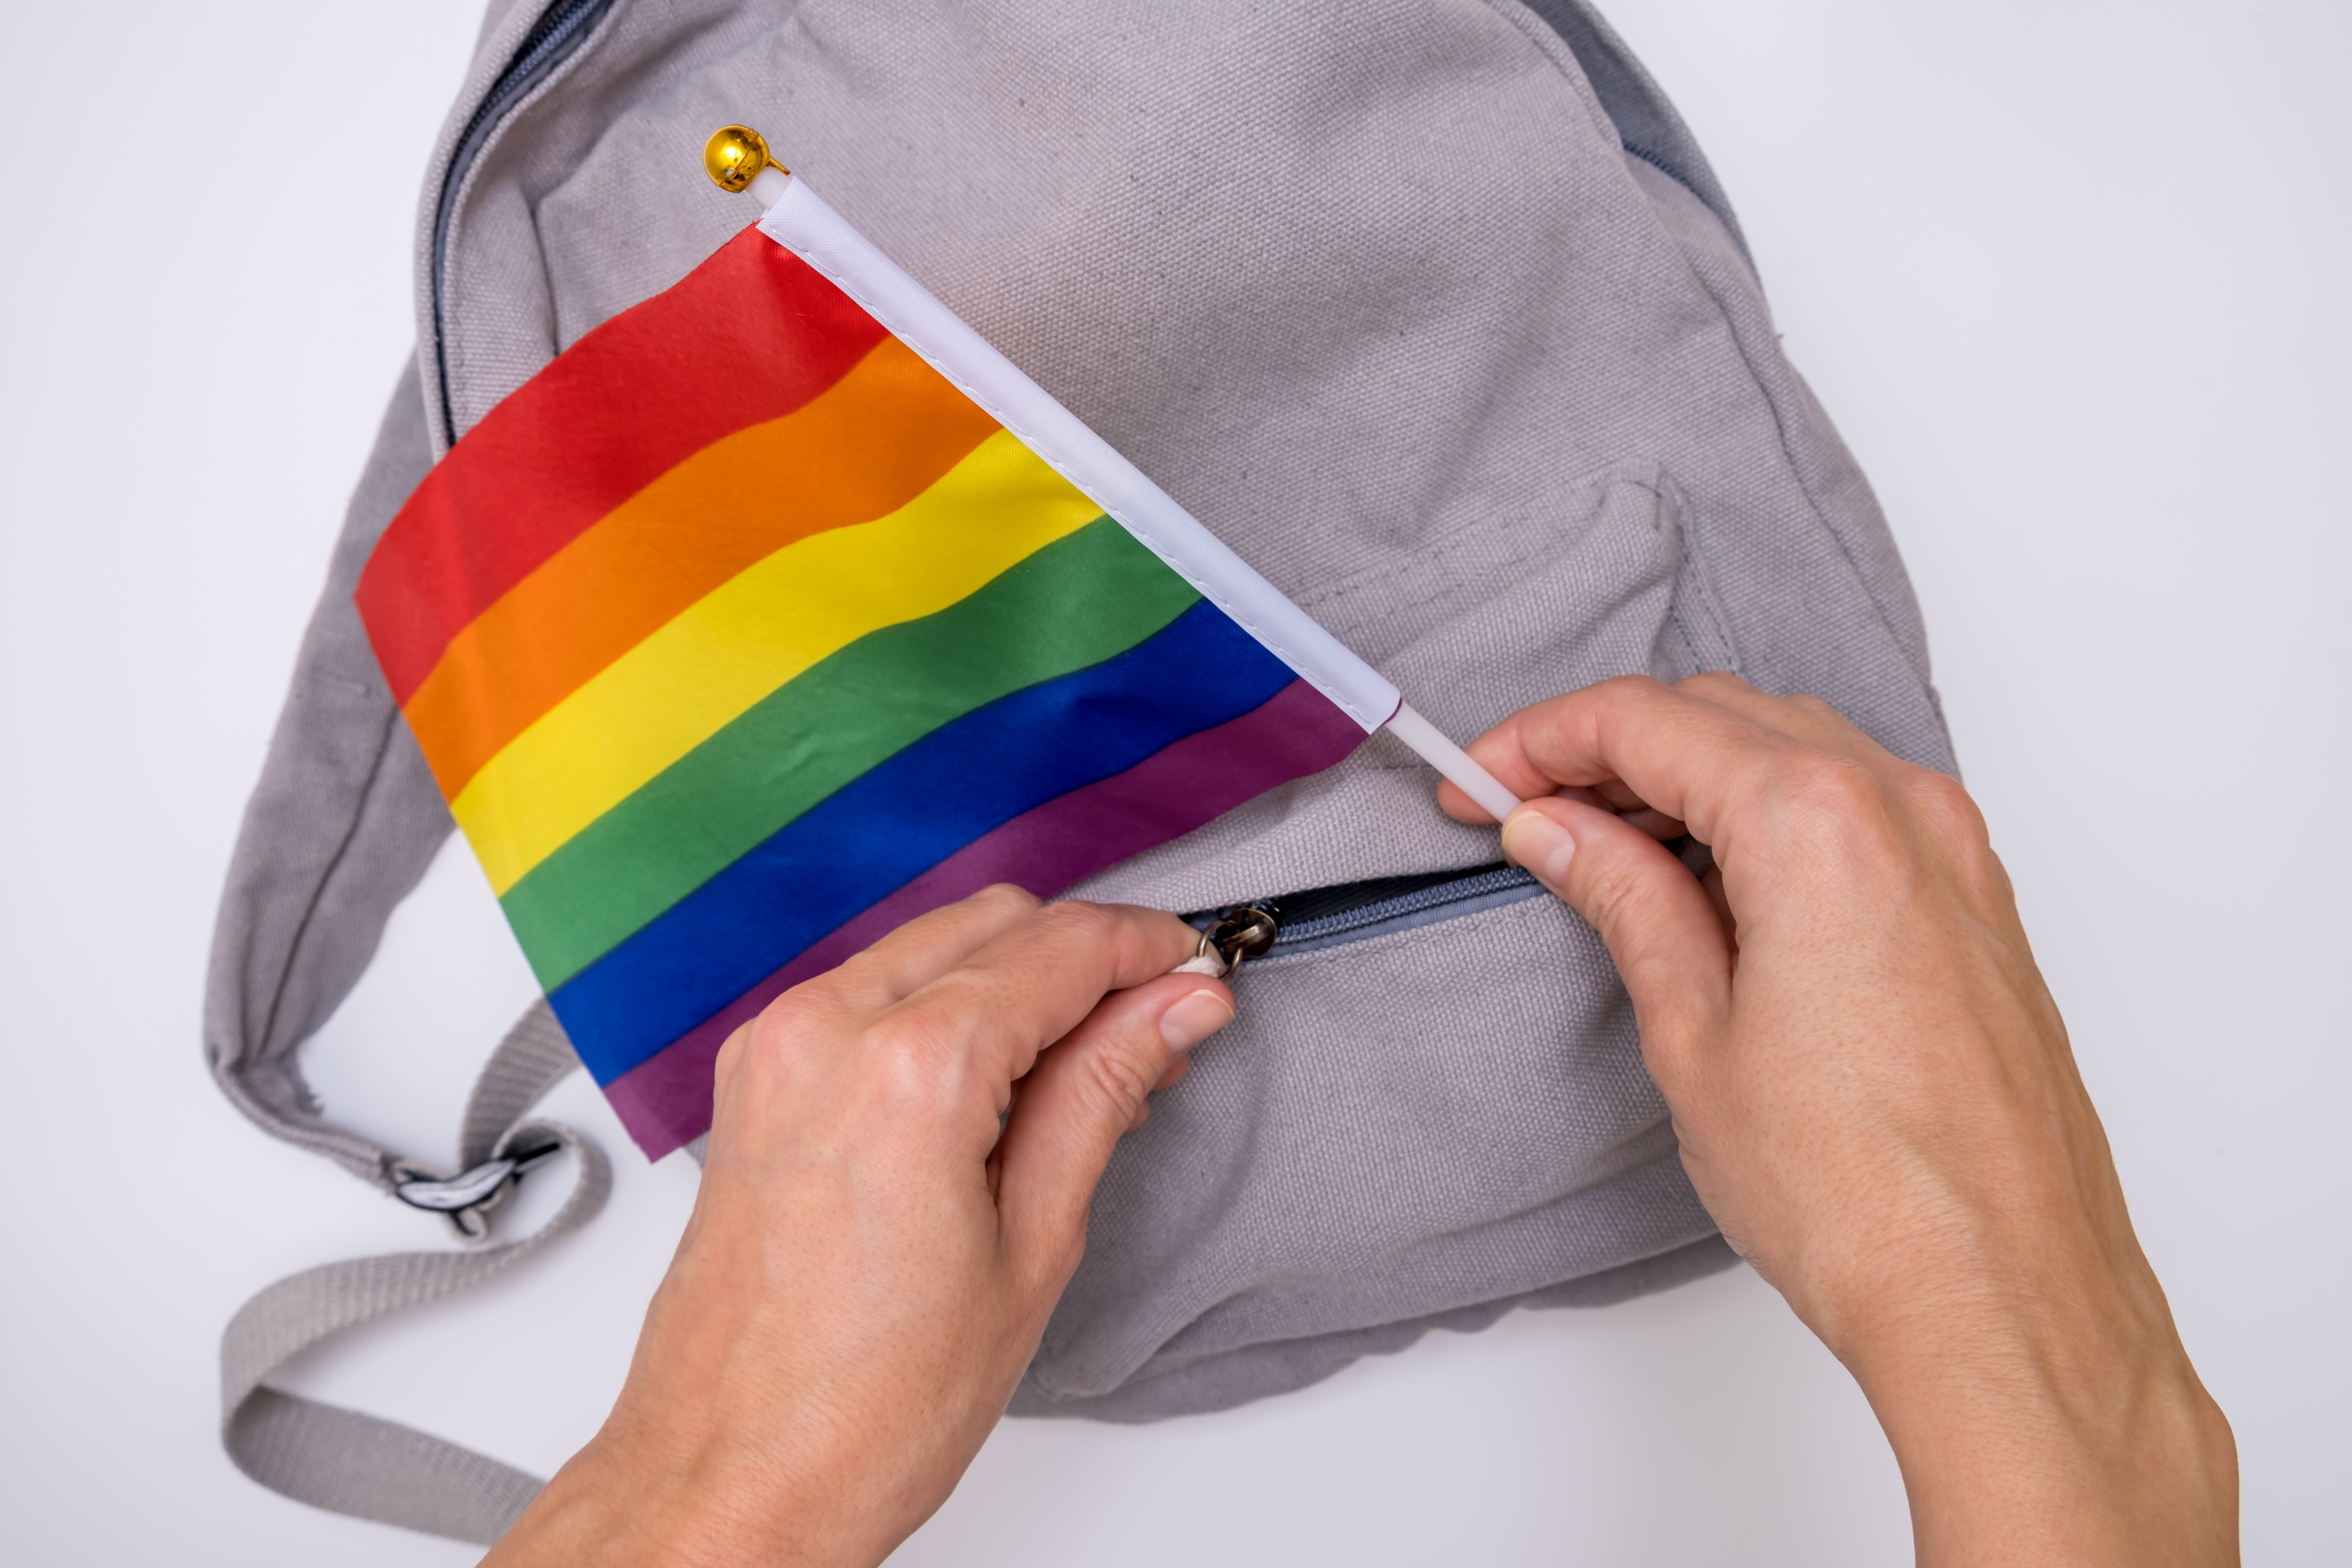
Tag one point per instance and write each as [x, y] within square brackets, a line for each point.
[553, 39]
[1357, 912]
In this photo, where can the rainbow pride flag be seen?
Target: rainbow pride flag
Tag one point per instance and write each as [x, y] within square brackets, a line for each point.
[780, 609]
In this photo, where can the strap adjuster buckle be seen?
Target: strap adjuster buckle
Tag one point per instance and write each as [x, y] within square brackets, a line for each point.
[470, 1194]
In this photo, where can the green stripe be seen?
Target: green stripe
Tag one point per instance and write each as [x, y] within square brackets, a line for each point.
[1084, 598]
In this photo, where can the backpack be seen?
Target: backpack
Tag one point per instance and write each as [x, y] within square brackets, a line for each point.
[1434, 310]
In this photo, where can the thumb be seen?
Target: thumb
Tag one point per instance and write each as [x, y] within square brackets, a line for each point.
[1085, 1092]
[1655, 917]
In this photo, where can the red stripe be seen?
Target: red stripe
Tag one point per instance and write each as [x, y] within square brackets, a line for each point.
[749, 336]
[664, 1102]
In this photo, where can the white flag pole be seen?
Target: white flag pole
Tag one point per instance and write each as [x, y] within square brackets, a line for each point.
[1430, 744]
[797, 218]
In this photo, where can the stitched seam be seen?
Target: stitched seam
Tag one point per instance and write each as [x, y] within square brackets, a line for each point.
[1788, 455]
[1591, 489]
[283, 1061]
[450, 358]
[1546, 39]
[1709, 604]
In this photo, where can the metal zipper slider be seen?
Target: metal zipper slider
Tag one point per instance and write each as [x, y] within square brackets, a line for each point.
[1245, 932]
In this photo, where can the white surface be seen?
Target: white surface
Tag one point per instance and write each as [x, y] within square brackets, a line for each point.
[2069, 275]
[801, 223]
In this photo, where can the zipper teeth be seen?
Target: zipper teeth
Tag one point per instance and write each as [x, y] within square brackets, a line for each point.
[552, 38]
[549, 33]
[1423, 901]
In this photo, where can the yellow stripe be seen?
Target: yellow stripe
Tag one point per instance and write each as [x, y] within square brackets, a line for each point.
[738, 643]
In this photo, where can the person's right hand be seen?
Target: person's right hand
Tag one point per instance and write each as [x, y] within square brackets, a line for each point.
[1875, 1100]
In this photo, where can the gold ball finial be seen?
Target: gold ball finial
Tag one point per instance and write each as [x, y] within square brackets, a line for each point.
[734, 156]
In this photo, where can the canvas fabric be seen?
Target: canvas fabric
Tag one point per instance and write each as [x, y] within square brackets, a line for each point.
[1434, 312]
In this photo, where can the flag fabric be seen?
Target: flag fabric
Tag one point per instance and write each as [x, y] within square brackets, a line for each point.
[753, 626]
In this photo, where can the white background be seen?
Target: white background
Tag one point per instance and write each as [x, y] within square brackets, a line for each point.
[2070, 273]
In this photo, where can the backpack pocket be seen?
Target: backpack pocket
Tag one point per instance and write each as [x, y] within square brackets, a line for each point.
[1441, 1118]
[1473, 622]
[1433, 1102]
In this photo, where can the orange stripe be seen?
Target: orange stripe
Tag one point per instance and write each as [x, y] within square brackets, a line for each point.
[877, 438]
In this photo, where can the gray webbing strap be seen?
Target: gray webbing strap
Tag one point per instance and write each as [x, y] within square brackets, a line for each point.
[534, 1059]
[342, 823]
[363, 1465]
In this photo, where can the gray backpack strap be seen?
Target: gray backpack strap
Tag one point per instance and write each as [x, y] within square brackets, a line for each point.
[534, 1059]
[363, 1465]
[342, 826]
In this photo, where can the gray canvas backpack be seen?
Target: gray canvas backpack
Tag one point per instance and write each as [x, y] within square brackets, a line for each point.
[1435, 312]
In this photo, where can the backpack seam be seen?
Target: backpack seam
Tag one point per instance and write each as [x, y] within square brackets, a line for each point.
[442, 222]
[1551, 44]
[1773, 401]
[1594, 486]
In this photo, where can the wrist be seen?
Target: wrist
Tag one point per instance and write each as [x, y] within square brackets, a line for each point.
[623, 1500]
[2059, 1423]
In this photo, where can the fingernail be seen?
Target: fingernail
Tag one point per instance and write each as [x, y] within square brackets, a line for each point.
[1540, 845]
[1194, 1018]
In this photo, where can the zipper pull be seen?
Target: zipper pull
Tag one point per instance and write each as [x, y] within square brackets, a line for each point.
[1245, 932]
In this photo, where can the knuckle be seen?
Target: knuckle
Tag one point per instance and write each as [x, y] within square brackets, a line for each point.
[779, 1031]
[1613, 898]
[1713, 683]
[1116, 1080]
[1942, 799]
[1835, 787]
[909, 1060]
[785, 1045]
[1887, 818]
[1629, 686]
[1950, 815]
[1005, 896]
[1075, 924]
[732, 1053]
[864, 970]
[1816, 707]
[1835, 806]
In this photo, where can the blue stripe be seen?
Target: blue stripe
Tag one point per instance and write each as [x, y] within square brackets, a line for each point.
[874, 835]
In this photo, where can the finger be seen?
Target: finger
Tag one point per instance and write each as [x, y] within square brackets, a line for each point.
[1610, 794]
[894, 968]
[990, 1016]
[1712, 885]
[722, 1072]
[1502, 754]
[1618, 797]
[928, 946]
[1802, 718]
[1084, 1094]
[1687, 758]
[1655, 917]
[1657, 824]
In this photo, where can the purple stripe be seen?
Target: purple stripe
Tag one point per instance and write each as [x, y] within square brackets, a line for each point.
[665, 1101]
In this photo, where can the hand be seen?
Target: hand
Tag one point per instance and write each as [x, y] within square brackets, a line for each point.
[1875, 1100]
[871, 1261]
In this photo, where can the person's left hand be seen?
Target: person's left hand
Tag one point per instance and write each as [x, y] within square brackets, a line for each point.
[871, 1260]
